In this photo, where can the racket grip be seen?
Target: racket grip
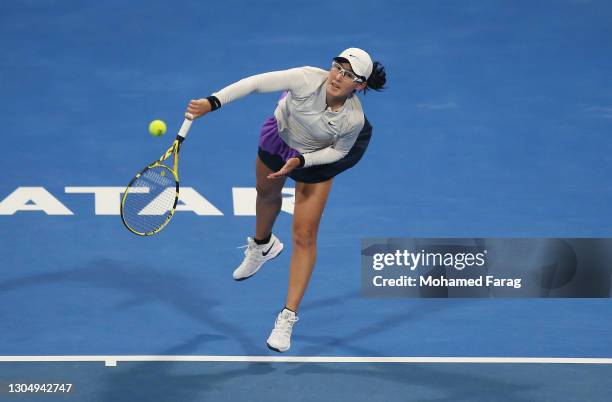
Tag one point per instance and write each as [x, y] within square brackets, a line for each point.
[185, 127]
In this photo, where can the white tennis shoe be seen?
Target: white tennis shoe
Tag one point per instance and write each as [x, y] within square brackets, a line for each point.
[280, 337]
[256, 255]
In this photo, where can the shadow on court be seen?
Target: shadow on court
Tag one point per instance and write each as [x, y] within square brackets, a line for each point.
[139, 285]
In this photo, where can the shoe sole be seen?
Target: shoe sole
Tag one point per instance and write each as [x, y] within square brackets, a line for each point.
[275, 349]
[257, 270]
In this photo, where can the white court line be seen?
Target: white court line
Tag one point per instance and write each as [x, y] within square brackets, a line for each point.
[112, 361]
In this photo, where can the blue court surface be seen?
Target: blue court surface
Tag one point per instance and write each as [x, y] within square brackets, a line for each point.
[497, 122]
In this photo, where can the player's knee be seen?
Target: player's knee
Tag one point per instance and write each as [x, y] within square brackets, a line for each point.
[304, 236]
[268, 194]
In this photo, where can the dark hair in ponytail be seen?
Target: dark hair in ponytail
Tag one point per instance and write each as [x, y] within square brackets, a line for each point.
[378, 78]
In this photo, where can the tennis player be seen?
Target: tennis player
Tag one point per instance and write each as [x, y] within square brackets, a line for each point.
[318, 131]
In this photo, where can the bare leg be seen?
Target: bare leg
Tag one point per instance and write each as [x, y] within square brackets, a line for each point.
[310, 201]
[269, 200]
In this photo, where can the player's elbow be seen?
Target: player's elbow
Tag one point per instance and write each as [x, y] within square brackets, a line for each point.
[342, 154]
[337, 155]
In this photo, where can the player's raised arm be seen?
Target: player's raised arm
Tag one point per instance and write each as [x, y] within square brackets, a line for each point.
[285, 80]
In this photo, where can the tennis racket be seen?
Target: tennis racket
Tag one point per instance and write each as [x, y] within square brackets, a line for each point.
[149, 201]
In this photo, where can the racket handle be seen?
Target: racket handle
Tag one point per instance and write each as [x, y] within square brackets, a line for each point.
[185, 127]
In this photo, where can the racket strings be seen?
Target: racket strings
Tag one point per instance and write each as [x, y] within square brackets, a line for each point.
[150, 200]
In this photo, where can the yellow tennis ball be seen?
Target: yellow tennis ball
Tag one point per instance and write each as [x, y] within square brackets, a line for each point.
[157, 128]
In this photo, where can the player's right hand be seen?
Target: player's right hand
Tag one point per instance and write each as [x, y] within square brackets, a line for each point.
[198, 108]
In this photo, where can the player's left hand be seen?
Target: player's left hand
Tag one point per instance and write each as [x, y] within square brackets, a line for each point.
[291, 164]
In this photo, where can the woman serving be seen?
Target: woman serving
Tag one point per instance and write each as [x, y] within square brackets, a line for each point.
[318, 131]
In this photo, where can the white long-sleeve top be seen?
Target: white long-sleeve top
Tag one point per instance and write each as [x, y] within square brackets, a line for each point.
[305, 123]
